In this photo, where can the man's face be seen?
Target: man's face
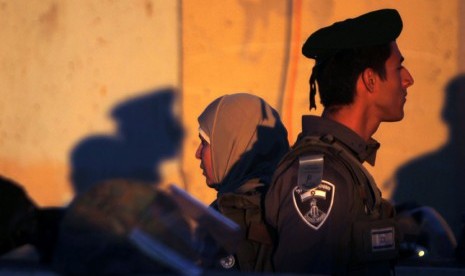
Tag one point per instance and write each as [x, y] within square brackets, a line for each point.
[392, 92]
[203, 153]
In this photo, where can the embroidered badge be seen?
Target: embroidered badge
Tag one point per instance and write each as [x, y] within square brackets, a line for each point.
[314, 205]
[382, 239]
[228, 262]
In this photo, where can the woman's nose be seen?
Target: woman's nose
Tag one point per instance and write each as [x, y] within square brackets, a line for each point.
[198, 152]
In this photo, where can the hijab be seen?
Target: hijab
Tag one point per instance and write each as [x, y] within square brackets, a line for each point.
[247, 140]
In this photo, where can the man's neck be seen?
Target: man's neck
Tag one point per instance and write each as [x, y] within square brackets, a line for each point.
[355, 118]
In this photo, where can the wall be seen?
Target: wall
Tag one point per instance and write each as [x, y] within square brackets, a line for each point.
[64, 66]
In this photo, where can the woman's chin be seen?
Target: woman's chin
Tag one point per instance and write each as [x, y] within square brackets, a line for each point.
[212, 185]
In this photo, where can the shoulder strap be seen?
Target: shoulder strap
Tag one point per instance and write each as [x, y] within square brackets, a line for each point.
[310, 171]
[374, 206]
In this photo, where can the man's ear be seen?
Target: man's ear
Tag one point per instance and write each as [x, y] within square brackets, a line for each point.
[369, 79]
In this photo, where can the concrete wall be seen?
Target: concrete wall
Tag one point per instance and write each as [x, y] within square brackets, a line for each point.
[65, 65]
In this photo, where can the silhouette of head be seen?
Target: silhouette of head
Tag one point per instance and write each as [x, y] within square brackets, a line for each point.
[453, 112]
[147, 133]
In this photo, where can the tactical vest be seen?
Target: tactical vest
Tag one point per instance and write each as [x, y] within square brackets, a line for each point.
[254, 253]
[374, 233]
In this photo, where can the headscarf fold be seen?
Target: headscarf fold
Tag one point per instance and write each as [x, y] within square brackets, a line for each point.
[247, 140]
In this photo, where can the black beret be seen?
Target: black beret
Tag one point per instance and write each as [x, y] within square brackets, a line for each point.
[373, 28]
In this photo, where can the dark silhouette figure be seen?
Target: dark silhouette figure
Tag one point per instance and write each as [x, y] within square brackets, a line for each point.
[114, 179]
[148, 133]
[17, 216]
[22, 222]
[437, 179]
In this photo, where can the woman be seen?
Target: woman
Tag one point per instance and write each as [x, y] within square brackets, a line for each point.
[242, 141]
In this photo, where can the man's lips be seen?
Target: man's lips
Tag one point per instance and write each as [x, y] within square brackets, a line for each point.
[404, 96]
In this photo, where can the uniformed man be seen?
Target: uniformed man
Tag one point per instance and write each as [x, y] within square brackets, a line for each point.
[326, 208]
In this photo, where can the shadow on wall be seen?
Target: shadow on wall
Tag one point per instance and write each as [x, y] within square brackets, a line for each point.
[148, 132]
[437, 179]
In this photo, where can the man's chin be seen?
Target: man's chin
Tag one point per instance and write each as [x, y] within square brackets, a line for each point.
[396, 118]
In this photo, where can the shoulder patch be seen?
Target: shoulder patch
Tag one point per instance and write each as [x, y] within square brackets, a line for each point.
[314, 205]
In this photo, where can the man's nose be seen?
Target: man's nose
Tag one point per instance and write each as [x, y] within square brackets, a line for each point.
[408, 80]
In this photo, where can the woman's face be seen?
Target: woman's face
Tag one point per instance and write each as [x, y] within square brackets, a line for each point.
[203, 153]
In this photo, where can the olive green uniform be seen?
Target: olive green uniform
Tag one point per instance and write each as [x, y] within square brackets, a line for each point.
[254, 250]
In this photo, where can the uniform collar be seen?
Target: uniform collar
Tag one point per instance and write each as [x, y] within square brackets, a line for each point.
[362, 150]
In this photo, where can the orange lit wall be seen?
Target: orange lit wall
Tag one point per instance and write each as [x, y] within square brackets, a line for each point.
[65, 65]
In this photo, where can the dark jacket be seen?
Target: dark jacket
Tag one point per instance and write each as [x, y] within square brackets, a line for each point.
[330, 227]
